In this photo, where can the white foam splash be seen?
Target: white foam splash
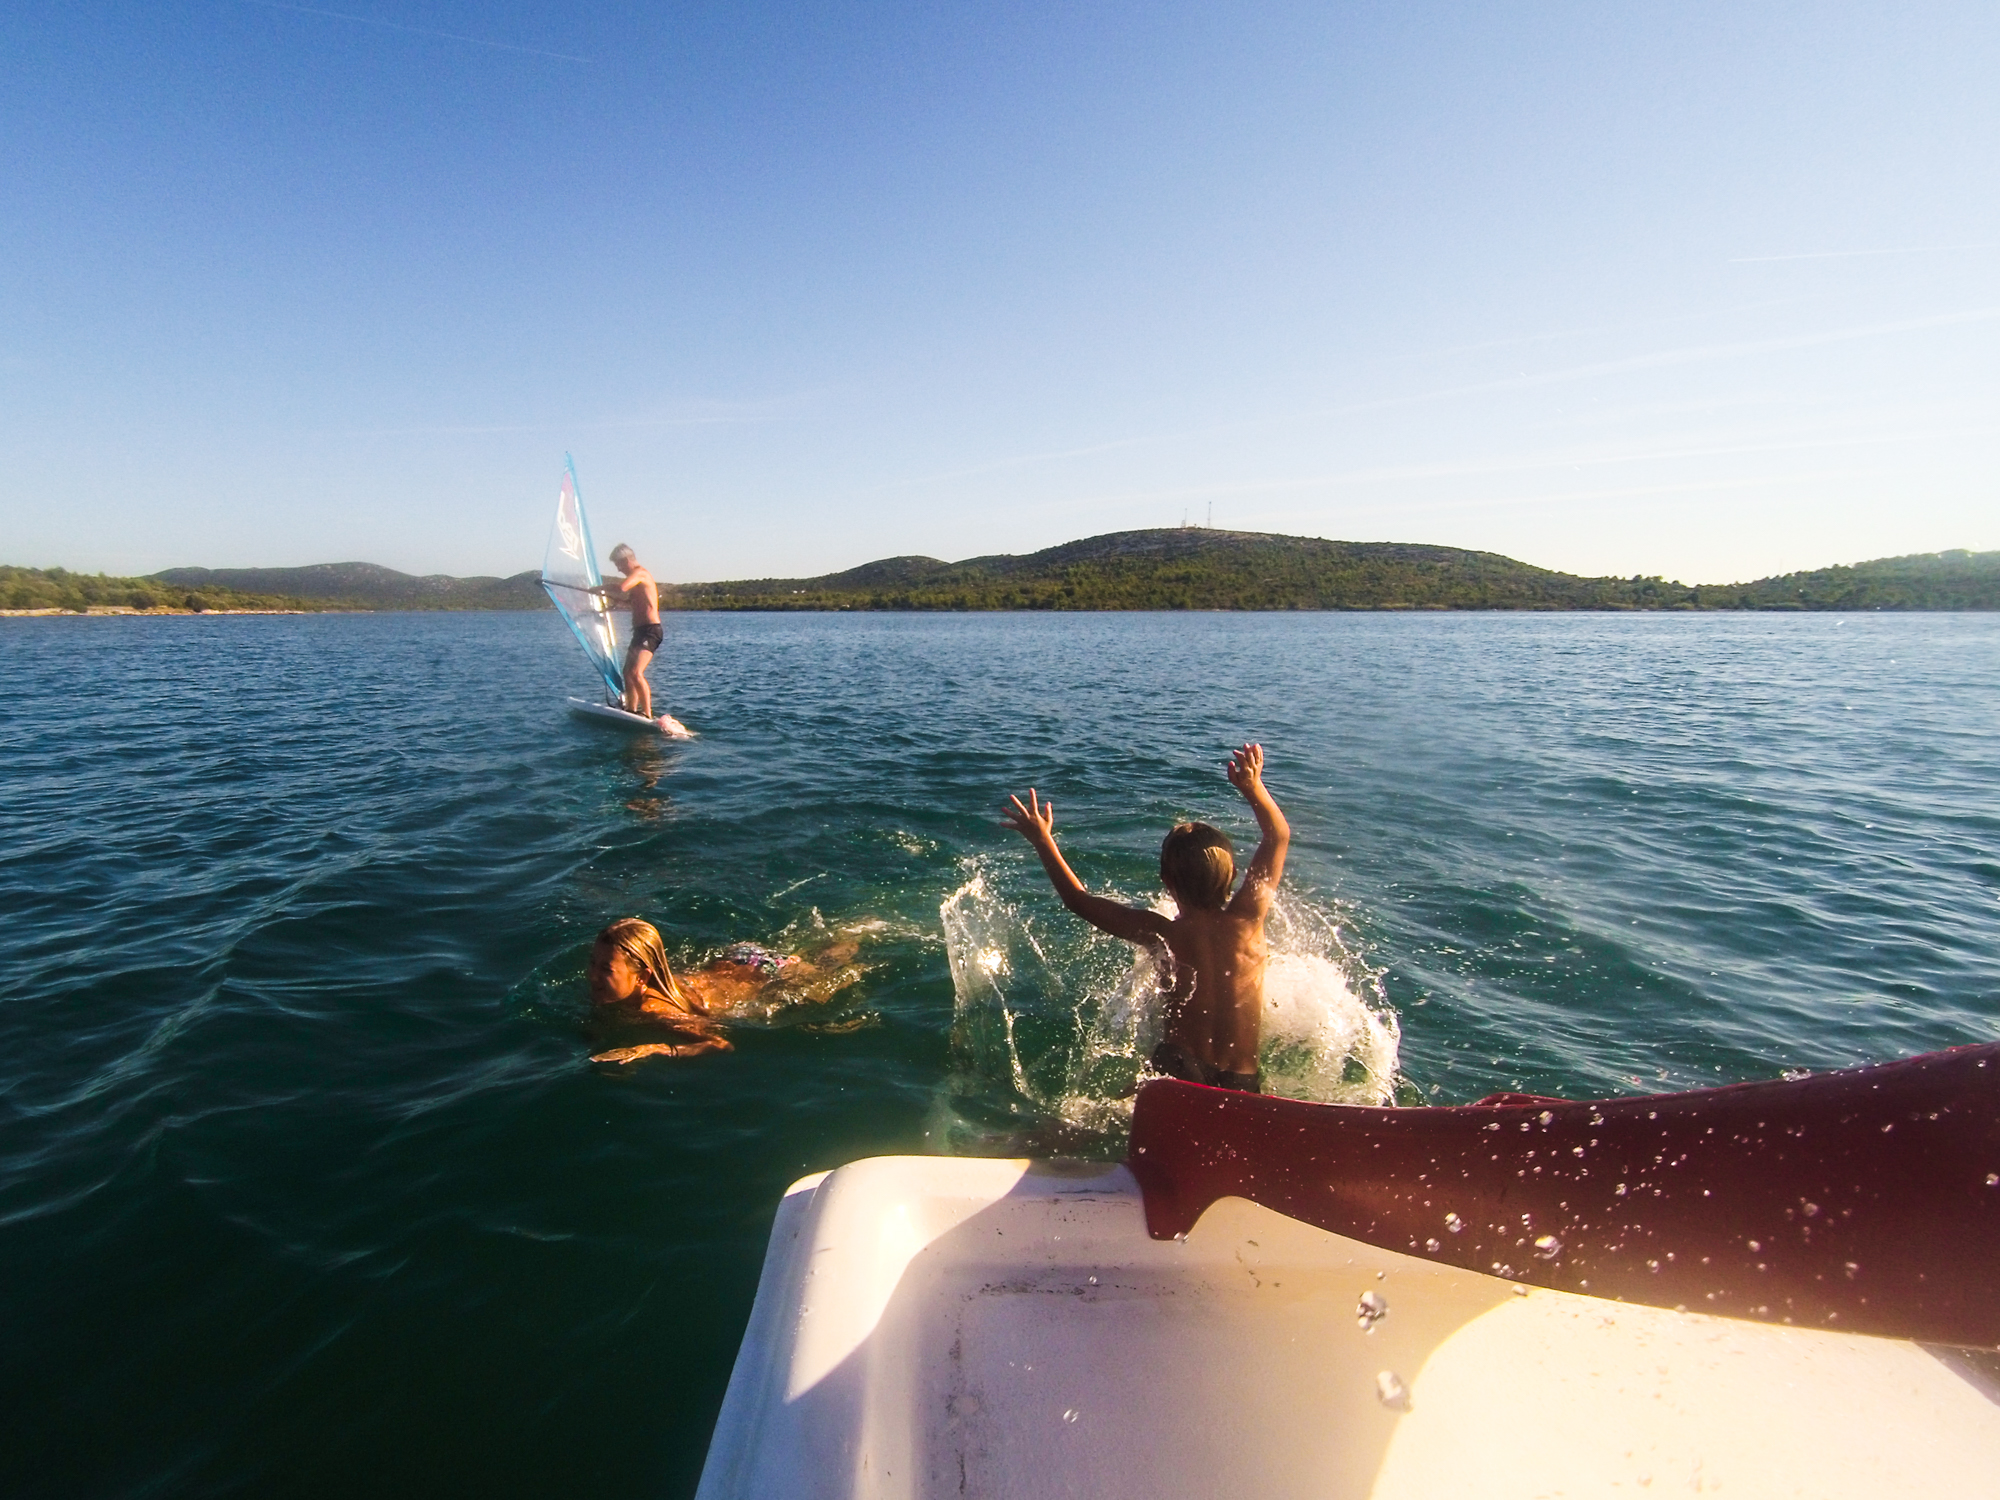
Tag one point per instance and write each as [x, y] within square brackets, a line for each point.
[1053, 1021]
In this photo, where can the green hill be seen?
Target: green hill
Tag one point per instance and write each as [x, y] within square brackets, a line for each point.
[58, 588]
[1182, 568]
[1922, 581]
[366, 586]
[327, 586]
[1195, 568]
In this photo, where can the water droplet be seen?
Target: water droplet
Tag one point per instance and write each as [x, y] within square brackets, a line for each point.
[1454, 1223]
[1391, 1391]
[1754, 1246]
[1093, 1280]
[1993, 1179]
[1520, 1291]
[1547, 1247]
[1811, 1209]
[1370, 1310]
[1432, 1246]
[1547, 1116]
[1852, 1268]
[1793, 1075]
[1619, 1190]
[1071, 1415]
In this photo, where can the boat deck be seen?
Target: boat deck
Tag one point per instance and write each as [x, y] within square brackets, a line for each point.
[933, 1326]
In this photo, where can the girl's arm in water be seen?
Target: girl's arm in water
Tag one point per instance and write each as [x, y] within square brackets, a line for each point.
[696, 1037]
[664, 1049]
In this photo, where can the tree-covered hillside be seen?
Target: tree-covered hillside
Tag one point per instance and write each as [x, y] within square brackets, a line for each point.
[1186, 568]
[1193, 568]
[327, 586]
[369, 586]
[57, 588]
[1923, 581]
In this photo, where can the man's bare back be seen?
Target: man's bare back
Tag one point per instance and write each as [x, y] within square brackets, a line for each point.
[1214, 945]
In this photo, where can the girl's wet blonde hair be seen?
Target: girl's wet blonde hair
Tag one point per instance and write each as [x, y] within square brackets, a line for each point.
[639, 940]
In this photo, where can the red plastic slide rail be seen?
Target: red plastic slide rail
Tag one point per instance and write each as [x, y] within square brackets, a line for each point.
[1866, 1200]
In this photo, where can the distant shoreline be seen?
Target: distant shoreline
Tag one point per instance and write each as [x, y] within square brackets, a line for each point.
[1183, 569]
[667, 610]
[120, 611]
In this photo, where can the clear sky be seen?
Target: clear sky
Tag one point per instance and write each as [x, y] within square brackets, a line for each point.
[1710, 290]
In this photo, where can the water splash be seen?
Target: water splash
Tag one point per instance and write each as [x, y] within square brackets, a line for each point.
[1370, 1310]
[1053, 1022]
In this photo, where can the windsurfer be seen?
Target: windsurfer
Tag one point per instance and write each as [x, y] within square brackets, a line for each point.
[630, 980]
[642, 595]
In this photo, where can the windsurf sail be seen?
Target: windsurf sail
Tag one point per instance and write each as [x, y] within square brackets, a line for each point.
[569, 573]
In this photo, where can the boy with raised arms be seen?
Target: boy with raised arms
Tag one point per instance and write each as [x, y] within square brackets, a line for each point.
[1214, 947]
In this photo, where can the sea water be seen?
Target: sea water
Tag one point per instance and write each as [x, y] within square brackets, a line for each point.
[307, 1185]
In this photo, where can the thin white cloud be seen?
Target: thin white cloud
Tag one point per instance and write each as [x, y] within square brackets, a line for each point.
[1667, 358]
[1623, 492]
[1752, 260]
[1764, 304]
[1659, 359]
[447, 36]
[689, 414]
[1525, 464]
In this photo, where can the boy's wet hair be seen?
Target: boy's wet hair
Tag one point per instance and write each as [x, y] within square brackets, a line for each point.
[1197, 865]
[621, 553]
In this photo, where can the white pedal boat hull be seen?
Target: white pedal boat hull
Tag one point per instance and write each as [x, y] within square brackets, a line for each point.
[932, 1326]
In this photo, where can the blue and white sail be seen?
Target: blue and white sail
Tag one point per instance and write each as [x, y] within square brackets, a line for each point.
[569, 573]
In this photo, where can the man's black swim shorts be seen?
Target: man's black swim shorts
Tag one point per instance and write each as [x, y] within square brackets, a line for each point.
[647, 637]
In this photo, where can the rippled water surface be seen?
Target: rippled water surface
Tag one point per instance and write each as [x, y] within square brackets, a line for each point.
[307, 1186]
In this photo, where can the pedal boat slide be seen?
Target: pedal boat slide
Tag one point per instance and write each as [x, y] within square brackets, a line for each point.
[1786, 1288]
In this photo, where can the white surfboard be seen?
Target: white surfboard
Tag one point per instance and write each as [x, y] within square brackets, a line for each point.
[608, 713]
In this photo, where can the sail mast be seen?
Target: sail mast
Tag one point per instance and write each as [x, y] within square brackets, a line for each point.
[570, 576]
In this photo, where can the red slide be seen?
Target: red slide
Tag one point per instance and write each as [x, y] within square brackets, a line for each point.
[1866, 1200]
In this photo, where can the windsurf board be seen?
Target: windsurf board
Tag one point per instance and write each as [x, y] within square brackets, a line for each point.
[607, 713]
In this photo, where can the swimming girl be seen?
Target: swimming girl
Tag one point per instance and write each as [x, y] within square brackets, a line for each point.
[630, 980]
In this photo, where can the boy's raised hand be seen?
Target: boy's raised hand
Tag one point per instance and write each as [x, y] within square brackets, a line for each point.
[1034, 820]
[1246, 768]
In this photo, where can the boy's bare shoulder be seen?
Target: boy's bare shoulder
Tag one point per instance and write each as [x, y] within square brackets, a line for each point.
[1208, 924]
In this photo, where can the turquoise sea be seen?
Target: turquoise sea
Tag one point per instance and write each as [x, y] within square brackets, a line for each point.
[307, 1186]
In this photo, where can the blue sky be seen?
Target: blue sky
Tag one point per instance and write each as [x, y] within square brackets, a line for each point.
[1706, 290]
